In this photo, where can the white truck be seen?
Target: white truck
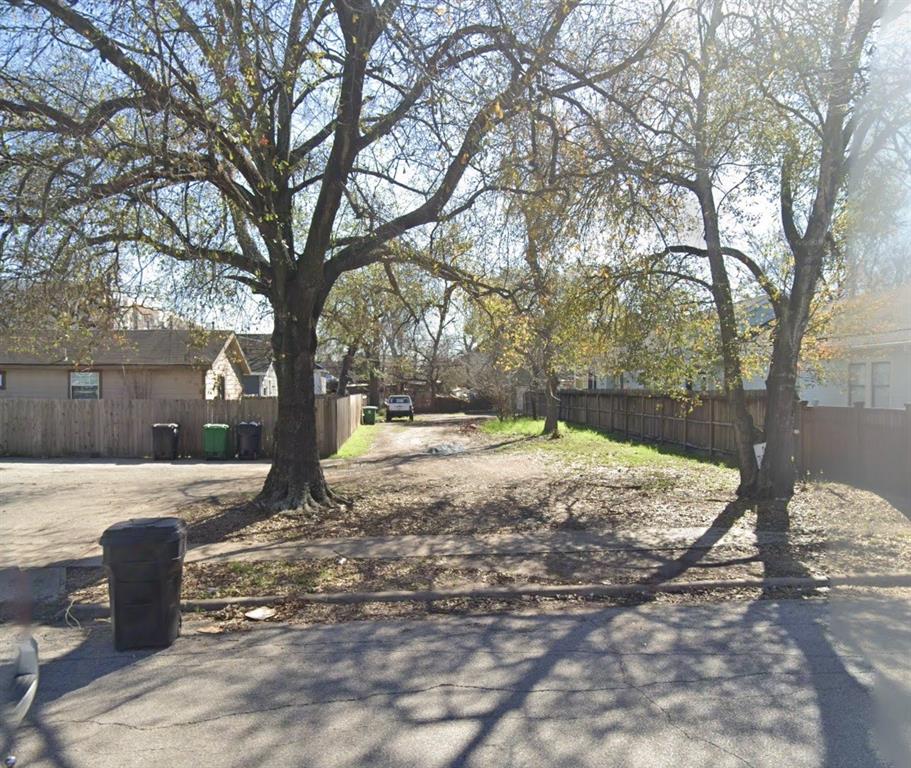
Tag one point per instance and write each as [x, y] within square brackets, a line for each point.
[399, 405]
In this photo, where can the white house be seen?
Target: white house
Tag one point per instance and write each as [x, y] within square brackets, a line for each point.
[870, 357]
[262, 381]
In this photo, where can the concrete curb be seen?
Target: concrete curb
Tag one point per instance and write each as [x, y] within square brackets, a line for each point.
[100, 610]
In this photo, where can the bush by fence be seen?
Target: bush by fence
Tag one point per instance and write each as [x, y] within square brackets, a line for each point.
[866, 447]
[123, 428]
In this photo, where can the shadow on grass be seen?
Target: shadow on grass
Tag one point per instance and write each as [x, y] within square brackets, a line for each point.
[224, 523]
[710, 683]
[417, 456]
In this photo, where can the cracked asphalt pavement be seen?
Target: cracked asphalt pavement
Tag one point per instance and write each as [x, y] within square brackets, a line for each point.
[790, 683]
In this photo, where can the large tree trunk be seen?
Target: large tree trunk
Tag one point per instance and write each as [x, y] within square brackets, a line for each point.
[551, 423]
[373, 380]
[344, 375]
[744, 436]
[296, 478]
[744, 428]
[778, 471]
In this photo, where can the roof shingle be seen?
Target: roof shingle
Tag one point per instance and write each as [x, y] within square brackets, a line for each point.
[141, 348]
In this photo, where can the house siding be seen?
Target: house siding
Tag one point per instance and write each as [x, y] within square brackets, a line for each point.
[262, 384]
[167, 383]
[269, 384]
[228, 365]
[833, 390]
[40, 383]
[52, 383]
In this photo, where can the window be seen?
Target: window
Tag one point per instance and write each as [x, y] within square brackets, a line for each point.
[857, 390]
[85, 385]
[252, 384]
[881, 373]
[2, 379]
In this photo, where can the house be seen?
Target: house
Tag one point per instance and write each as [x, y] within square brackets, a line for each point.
[262, 381]
[870, 354]
[868, 357]
[132, 364]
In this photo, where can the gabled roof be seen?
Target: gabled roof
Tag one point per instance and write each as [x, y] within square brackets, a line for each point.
[257, 349]
[140, 348]
[875, 319]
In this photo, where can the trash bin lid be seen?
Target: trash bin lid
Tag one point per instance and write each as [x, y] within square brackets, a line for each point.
[144, 529]
[169, 426]
[250, 424]
[216, 426]
[371, 408]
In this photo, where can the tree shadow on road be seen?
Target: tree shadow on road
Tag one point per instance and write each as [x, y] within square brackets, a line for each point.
[845, 730]
[702, 685]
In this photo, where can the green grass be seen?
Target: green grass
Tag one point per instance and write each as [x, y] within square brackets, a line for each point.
[358, 444]
[588, 443]
[241, 578]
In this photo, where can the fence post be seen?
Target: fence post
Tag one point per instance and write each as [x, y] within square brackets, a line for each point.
[626, 416]
[686, 424]
[802, 431]
[711, 426]
[859, 468]
[908, 450]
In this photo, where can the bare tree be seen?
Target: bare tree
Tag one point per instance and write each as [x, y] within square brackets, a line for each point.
[819, 95]
[676, 124]
[285, 142]
[738, 93]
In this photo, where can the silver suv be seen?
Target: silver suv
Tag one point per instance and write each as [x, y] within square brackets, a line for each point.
[399, 405]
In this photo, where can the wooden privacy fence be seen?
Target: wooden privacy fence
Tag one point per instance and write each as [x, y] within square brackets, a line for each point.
[123, 428]
[641, 415]
[865, 447]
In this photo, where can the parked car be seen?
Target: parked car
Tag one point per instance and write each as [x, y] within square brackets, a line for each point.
[399, 405]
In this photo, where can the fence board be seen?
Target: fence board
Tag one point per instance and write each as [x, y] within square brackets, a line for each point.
[122, 428]
[641, 415]
[866, 447]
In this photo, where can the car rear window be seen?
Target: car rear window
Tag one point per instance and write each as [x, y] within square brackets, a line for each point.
[399, 399]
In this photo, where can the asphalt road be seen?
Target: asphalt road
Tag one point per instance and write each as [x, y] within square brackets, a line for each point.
[792, 683]
[53, 511]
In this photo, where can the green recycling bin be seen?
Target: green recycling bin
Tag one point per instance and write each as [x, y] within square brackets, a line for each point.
[369, 414]
[215, 440]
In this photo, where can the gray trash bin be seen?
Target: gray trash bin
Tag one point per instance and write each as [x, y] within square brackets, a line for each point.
[165, 439]
[249, 439]
[144, 562]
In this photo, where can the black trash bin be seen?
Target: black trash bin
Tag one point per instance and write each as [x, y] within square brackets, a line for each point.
[249, 439]
[144, 562]
[164, 441]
